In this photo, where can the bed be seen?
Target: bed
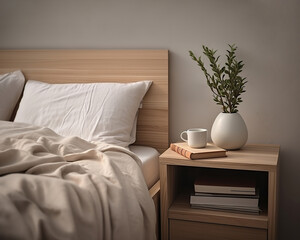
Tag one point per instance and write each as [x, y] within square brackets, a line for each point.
[105, 66]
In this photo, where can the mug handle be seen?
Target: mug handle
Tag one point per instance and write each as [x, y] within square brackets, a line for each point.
[181, 136]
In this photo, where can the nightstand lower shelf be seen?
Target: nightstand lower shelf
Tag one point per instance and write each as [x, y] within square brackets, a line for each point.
[189, 223]
[180, 229]
[181, 210]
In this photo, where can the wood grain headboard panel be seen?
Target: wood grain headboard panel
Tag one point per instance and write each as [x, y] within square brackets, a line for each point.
[87, 66]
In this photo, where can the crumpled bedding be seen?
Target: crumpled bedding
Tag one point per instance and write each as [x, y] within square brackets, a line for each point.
[54, 187]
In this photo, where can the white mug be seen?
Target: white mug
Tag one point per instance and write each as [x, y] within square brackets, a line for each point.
[196, 137]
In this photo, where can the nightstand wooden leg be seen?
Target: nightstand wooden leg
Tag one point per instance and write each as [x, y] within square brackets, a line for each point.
[272, 201]
[163, 202]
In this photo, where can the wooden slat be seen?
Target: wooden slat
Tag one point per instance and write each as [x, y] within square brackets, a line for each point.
[204, 231]
[250, 157]
[154, 192]
[164, 202]
[272, 205]
[86, 66]
[50, 54]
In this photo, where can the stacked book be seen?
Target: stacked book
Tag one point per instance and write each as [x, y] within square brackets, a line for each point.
[226, 190]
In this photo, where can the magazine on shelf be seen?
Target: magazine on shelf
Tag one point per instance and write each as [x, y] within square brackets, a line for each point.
[250, 210]
[225, 200]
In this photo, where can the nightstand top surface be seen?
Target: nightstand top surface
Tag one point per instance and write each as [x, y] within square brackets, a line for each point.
[250, 157]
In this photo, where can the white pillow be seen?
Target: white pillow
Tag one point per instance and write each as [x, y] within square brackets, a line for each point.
[95, 112]
[11, 87]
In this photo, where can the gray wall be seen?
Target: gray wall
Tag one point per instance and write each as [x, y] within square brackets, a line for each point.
[265, 31]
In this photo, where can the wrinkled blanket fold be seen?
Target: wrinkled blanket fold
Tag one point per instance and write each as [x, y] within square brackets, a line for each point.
[54, 187]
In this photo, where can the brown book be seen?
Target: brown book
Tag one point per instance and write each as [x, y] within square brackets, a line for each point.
[210, 151]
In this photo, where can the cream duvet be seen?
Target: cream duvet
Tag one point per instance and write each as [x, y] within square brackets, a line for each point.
[53, 187]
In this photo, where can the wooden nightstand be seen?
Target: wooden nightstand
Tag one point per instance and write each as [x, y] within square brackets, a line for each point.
[180, 221]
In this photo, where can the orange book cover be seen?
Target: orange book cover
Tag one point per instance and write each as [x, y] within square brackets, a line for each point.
[210, 151]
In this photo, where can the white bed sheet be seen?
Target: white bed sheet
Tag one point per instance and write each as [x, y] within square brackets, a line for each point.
[150, 160]
[55, 187]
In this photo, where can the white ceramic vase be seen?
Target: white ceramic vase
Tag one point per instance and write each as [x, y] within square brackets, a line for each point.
[229, 131]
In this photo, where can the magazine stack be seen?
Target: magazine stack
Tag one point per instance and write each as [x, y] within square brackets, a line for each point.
[225, 190]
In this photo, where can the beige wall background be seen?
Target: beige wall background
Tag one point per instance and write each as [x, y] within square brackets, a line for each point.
[267, 33]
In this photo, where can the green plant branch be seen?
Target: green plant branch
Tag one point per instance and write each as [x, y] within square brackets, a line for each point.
[224, 82]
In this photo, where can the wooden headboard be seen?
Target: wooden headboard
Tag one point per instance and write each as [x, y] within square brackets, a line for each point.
[86, 66]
